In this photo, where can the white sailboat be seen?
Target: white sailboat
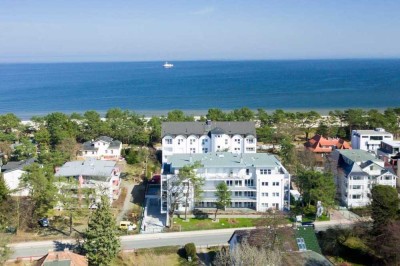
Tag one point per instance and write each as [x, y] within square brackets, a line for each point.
[168, 65]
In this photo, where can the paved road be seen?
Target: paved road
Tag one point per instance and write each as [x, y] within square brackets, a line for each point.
[200, 238]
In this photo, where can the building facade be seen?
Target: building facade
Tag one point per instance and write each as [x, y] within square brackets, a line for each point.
[103, 148]
[356, 172]
[206, 137]
[12, 174]
[369, 140]
[256, 181]
[102, 177]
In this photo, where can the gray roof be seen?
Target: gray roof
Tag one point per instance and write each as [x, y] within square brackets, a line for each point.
[89, 167]
[12, 166]
[356, 155]
[201, 128]
[105, 138]
[372, 132]
[89, 145]
[224, 159]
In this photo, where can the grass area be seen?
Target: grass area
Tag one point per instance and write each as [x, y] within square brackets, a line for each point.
[151, 257]
[206, 223]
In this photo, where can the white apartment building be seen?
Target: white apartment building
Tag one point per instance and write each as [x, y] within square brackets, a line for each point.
[369, 140]
[103, 177]
[103, 148]
[257, 181]
[206, 137]
[12, 173]
[356, 172]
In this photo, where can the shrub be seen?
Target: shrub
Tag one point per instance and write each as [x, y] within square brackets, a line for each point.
[190, 250]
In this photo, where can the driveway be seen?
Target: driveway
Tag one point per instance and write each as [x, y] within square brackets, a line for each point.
[154, 221]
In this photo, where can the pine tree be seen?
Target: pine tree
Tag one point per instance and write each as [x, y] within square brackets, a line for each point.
[101, 241]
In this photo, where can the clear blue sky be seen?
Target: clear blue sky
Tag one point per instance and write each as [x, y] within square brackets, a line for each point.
[89, 30]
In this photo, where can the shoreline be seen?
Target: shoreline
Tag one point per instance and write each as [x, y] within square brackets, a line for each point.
[147, 114]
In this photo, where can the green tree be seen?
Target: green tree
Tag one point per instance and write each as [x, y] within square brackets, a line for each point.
[60, 127]
[154, 125]
[4, 192]
[316, 186]
[101, 241]
[384, 206]
[5, 250]
[242, 114]
[68, 147]
[192, 182]
[308, 121]
[43, 138]
[42, 191]
[223, 197]
[8, 122]
[288, 154]
[215, 114]
[178, 116]
[25, 150]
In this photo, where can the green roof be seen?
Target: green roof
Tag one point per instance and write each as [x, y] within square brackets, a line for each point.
[358, 155]
[225, 159]
[310, 239]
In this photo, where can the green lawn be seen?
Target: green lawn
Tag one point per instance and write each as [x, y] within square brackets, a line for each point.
[207, 223]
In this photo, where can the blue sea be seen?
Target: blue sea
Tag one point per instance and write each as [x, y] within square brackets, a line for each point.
[195, 86]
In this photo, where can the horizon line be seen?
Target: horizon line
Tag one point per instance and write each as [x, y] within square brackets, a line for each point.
[199, 60]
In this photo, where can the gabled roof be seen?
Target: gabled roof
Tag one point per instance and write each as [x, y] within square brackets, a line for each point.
[12, 166]
[320, 144]
[62, 258]
[99, 169]
[203, 128]
[105, 139]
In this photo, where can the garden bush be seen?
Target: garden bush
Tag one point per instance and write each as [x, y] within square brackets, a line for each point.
[190, 250]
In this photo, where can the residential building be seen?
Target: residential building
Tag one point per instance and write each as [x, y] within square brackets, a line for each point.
[389, 152]
[369, 140]
[320, 145]
[206, 137]
[103, 148]
[256, 181]
[103, 177]
[356, 172]
[62, 258]
[12, 173]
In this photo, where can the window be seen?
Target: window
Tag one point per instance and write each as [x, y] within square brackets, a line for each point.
[204, 141]
[249, 149]
[238, 182]
[191, 141]
[356, 196]
[237, 149]
[192, 150]
[250, 141]
[249, 182]
[388, 177]
[168, 141]
[180, 141]
[237, 141]
[264, 183]
[376, 138]
[205, 150]
[264, 204]
[387, 137]
[264, 194]
[275, 194]
[249, 193]
[275, 184]
[364, 137]
[265, 171]
[356, 177]
[247, 171]
[356, 187]
[226, 141]
[229, 182]
[238, 193]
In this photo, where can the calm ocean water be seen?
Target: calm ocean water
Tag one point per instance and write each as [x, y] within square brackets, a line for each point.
[195, 86]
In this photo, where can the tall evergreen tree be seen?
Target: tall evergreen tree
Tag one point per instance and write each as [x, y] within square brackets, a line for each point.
[101, 241]
[384, 206]
[223, 197]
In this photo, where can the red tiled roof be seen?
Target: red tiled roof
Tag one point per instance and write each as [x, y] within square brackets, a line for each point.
[55, 256]
[321, 144]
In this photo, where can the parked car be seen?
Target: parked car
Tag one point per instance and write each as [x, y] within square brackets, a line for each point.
[44, 222]
[308, 224]
[127, 225]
